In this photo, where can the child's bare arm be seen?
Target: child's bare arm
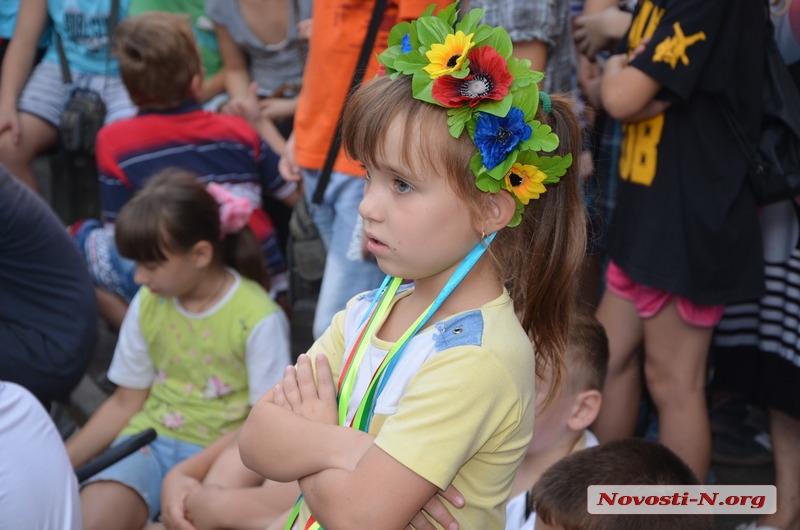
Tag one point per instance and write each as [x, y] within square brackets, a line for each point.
[227, 469]
[315, 401]
[281, 444]
[250, 508]
[105, 424]
[187, 477]
[234, 64]
[353, 498]
[626, 90]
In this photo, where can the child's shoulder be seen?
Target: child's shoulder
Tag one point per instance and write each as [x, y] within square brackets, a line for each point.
[250, 296]
[493, 326]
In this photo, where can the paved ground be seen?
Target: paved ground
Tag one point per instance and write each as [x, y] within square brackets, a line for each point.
[94, 388]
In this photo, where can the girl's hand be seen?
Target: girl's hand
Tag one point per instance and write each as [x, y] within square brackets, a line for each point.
[437, 511]
[304, 29]
[9, 122]
[245, 106]
[287, 167]
[174, 493]
[202, 508]
[640, 48]
[599, 31]
[299, 393]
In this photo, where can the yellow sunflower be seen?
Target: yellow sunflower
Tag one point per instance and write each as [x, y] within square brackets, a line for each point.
[525, 182]
[448, 57]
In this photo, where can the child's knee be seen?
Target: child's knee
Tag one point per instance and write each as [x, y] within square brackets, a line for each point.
[15, 153]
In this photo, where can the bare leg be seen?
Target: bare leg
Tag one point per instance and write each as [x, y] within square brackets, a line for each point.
[112, 506]
[785, 431]
[623, 387]
[111, 308]
[36, 136]
[675, 371]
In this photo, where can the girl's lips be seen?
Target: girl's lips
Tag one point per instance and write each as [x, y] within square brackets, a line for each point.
[374, 245]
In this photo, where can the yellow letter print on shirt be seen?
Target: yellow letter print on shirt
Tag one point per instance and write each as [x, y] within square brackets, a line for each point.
[640, 150]
[673, 49]
[640, 140]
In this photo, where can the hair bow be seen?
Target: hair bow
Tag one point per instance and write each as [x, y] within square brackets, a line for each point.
[234, 212]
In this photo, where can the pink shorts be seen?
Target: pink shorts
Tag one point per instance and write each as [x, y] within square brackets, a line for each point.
[649, 301]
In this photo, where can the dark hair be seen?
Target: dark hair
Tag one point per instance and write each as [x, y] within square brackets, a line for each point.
[559, 496]
[172, 213]
[587, 353]
[538, 260]
[158, 57]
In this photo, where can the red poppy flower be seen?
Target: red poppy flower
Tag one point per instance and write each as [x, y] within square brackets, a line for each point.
[488, 79]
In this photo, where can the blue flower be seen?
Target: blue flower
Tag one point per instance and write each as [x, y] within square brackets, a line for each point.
[496, 136]
[405, 43]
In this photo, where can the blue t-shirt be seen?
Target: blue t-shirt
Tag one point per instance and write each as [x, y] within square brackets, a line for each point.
[83, 27]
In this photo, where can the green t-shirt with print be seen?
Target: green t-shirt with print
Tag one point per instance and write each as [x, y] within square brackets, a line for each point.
[202, 25]
[201, 388]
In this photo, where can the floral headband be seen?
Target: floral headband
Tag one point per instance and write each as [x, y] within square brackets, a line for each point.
[467, 67]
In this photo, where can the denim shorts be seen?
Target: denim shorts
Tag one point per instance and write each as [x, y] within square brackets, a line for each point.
[45, 93]
[144, 470]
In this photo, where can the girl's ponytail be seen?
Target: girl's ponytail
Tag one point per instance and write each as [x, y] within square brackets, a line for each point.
[541, 257]
[242, 251]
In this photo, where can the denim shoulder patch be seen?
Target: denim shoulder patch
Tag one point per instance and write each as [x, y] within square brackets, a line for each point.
[462, 330]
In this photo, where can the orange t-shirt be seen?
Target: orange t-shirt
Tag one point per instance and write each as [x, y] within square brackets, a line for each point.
[337, 35]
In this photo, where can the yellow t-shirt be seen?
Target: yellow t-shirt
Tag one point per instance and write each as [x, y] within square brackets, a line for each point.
[459, 406]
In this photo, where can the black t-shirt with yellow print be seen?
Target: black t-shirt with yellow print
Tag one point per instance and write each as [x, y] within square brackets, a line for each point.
[685, 221]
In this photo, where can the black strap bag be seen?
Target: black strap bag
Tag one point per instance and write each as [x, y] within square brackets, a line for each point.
[774, 162]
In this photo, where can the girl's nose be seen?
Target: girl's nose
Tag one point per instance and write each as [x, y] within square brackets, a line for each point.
[369, 206]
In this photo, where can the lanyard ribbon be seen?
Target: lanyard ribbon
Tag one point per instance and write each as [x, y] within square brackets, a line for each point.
[373, 317]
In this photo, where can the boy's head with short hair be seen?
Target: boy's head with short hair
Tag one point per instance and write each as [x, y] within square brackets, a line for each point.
[559, 496]
[561, 422]
[159, 59]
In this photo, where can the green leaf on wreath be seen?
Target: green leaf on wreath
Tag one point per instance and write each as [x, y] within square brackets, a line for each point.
[542, 139]
[400, 30]
[457, 118]
[469, 23]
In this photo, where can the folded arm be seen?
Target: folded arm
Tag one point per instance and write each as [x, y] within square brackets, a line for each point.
[343, 474]
[628, 94]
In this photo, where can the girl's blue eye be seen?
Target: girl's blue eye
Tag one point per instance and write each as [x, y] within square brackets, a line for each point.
[402, 186]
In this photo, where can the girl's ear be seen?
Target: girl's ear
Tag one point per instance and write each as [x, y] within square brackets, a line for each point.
[498, 212]
[202, 254]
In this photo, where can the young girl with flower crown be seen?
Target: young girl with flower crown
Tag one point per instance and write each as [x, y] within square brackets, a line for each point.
[201, 342]
[433, 378]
